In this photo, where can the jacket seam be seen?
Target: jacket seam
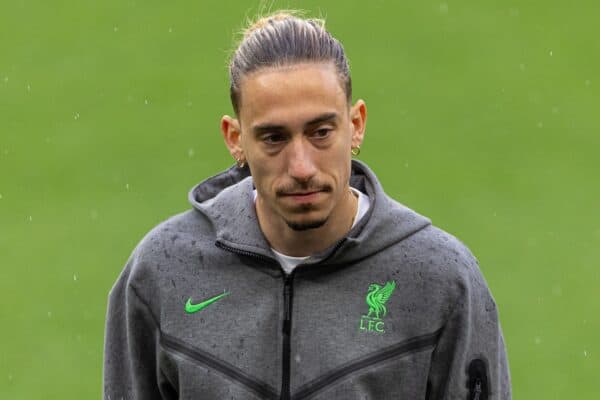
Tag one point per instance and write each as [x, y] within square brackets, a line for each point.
[212, 363]
[145, 304]
[360, 259]
[413, 345]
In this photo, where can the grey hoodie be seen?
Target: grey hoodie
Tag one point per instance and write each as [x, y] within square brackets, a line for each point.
[396, 310]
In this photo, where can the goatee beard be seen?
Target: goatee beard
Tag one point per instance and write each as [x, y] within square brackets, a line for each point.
[305, 226]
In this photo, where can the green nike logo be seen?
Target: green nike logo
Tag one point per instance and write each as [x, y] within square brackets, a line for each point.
[192, 308]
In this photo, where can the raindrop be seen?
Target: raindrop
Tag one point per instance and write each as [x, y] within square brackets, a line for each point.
[29, 88]
[30, 218]
[537, 340]
[585, 353]
[551, 53]
[127, 186]
[76, 116]
[6, 79]
[191, 153]
[115, 28]
[74, 277]
[444, 8]
[49, 314]
[146, 101]
[0, 196]
[557, 290]
[10, 377]
[405, 165]
[170, 30]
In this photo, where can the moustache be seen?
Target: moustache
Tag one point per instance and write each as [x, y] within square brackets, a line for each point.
[309, 187]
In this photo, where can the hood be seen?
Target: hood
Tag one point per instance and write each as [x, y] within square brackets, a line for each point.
[226, 200]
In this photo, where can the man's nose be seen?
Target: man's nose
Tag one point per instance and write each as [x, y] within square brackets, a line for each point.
[300, 161]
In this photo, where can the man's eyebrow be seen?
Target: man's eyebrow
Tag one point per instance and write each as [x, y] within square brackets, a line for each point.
[258, 129]
[262, 128]
[322, 118]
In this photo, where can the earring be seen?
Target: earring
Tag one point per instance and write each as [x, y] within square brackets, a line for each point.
[240, 163]
[355, 151]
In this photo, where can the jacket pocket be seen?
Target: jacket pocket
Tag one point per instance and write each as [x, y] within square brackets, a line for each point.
[211, 363]
[478, 380]
[402, 349]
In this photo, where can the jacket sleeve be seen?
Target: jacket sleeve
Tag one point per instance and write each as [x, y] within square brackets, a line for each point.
[130, 347]
[470, 360]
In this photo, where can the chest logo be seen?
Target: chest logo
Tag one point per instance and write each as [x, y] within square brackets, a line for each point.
[376, 298]
[192, 308]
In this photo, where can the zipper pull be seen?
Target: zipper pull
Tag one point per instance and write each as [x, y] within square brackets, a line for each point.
[477, 390]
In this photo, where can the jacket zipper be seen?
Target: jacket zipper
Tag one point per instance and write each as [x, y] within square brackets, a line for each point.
[287, 317]
[245, 253]
[287, 330]
[477, 390]
[478, 381]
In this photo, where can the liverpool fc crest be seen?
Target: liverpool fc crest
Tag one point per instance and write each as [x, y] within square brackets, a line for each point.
[376, 298]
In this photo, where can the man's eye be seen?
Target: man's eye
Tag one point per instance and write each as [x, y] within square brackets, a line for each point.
[273, 138]
[322, 133]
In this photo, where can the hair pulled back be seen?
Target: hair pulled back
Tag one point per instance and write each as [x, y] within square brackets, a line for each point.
[284, 39]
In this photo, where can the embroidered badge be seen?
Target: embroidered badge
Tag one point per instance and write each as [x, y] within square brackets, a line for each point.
[376, 298]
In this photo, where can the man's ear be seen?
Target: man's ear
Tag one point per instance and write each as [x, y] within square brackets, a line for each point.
[230, 128]
[358, 118]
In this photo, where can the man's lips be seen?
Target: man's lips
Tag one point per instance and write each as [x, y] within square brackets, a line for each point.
[301, 193]
[302, 197]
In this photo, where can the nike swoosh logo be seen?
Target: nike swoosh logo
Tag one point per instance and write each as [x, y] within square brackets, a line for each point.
[192, 308]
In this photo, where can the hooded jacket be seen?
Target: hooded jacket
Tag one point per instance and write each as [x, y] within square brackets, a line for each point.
[396, 310]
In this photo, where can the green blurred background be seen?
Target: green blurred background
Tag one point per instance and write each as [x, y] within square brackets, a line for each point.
[483, 116]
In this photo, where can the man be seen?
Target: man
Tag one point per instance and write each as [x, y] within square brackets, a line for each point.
[294, 276]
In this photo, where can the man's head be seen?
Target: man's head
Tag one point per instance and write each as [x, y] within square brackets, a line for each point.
[283, 39]
[295, 125]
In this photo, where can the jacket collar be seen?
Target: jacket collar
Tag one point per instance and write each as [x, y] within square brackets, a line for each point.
[226, 200]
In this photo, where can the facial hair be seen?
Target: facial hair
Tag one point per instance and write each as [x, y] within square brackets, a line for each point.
[305, 226]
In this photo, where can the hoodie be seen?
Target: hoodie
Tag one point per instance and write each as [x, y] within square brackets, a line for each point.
[398, 309]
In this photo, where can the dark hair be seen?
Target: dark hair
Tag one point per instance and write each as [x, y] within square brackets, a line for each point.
[283, 39]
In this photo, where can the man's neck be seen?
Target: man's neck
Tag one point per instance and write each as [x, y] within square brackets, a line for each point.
[305, 243]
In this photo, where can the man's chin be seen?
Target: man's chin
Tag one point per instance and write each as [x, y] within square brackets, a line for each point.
[306, 225]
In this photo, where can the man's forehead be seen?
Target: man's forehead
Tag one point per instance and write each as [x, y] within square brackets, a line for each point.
[300, 92]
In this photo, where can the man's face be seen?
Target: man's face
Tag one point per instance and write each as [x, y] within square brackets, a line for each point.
[296, 133]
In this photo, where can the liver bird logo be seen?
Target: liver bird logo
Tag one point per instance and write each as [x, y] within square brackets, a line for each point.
[377, 297]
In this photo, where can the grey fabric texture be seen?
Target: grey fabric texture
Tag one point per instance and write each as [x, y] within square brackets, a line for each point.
[438, 338]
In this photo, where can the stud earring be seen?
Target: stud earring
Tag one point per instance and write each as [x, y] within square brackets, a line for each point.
[355, 151]
[240, 163]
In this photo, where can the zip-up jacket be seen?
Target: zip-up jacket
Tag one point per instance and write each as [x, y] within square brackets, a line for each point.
[398, 309]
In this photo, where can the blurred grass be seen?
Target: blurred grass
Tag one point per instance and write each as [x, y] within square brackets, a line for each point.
[483, 116]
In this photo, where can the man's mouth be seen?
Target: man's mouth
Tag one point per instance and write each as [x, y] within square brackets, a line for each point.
[301, 193]
[303, 197]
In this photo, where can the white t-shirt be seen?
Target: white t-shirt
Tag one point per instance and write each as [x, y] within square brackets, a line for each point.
[288, 263]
